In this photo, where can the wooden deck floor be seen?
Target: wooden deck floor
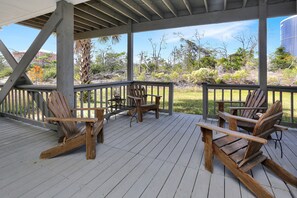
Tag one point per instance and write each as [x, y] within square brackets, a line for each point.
[157, 158]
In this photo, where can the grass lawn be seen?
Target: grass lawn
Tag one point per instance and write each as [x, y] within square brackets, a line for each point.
[189, 100]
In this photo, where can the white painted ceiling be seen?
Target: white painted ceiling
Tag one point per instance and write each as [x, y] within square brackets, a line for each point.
[13, 11]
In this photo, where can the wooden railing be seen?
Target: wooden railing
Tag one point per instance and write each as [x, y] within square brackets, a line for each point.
[215, 92]
[28, 102]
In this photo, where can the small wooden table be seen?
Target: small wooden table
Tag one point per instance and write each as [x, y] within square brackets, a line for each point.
[115, 105]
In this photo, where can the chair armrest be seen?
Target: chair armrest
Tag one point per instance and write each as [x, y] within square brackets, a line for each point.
[232, 133]
[247, 108]
[228, 116]
[153, 95]
[55, 119]
[280, 128]
[94, 108]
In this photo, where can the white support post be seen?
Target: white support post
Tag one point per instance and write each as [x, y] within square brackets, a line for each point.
[65, 44]
[130, 52]
[263, 44]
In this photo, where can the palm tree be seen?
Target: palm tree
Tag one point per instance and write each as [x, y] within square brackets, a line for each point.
[113, 38]
[83, 52]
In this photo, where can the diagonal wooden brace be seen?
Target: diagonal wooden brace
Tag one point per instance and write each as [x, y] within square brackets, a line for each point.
[24, 79]
[46, 31]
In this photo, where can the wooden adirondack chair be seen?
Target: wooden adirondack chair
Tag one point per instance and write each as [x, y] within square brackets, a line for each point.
[139, 96]
[241, 152]
[75, 135]
[254, 103]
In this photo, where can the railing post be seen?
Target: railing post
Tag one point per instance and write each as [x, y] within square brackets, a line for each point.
[205, 100]
[170, 101]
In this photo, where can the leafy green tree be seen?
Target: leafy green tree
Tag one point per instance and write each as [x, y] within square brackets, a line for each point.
[108, 61]
[208, 62]
[235, 61]
[281, 59]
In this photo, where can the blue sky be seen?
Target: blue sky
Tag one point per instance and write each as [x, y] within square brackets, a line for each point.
[17, 37]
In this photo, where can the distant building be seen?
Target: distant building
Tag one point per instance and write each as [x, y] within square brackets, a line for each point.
[42, 58]
[288, 34]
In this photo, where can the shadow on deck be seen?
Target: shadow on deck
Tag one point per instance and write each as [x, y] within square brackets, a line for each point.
[156, 158]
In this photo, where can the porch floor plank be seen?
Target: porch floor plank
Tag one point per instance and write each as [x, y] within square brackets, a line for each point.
[156, 158]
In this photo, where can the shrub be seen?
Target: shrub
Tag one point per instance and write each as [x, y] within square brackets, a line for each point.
[273, 80]
[6, 71]
[240, 76]
[237, 77]
[50, 72]
[141, 76]
[186, 77]
[174, 76]
[204, 75]
[36, 73]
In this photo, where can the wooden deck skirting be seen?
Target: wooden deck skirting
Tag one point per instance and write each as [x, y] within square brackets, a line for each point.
[156, 158]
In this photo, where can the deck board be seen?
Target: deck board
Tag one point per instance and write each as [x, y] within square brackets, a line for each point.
[157, 158]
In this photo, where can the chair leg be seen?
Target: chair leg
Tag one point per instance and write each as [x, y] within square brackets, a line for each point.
[208, 151]
[157, 113]
[221, 122]
[139, 115]
[90, 142]
[100, 136]
[281, 172]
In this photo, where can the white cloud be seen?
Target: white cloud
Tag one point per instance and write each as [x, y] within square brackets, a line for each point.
[222, 31]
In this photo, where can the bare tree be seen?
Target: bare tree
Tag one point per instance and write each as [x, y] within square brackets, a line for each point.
[248, 43]
[223, 50]
[157, 49]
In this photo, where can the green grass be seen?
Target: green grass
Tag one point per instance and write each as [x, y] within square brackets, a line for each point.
[189, 100]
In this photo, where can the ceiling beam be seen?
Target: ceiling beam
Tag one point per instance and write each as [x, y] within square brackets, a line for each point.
[225, 4]
[121, 9]
[170, 7]
[249, 13]
[136, 8]
[188, 6]
[86, 22]
[154, 8]
[244, 3]
[83, 26]
[103, 32]
[206, 6]
[90, 18]
[108, 11]
[91, 11]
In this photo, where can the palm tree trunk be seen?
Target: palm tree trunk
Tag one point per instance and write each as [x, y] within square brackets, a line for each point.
[83, 51]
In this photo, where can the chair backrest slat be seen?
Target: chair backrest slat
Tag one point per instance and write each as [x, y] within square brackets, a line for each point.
[257, 98]
[264, 127]
[60, 108]
[138, 91]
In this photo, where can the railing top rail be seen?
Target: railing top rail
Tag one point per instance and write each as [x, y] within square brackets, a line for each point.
[153, 83]
[37, 87]
[89, 86]
[269, 87]
[100, 85]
